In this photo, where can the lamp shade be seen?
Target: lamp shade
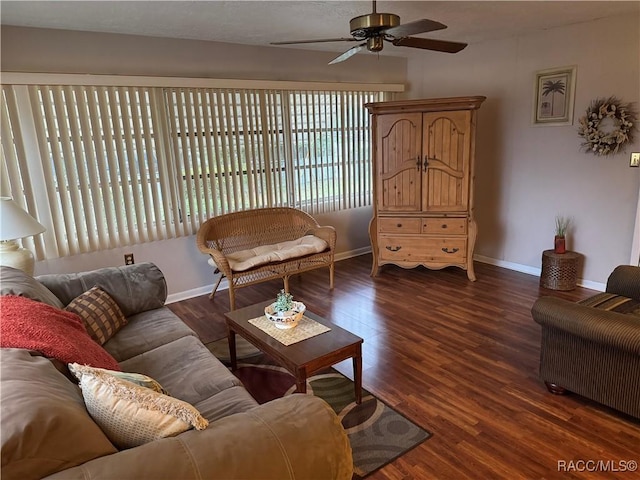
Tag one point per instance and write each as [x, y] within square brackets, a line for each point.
[15, 222]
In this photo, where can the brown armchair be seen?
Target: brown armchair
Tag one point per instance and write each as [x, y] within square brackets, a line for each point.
[592, 347]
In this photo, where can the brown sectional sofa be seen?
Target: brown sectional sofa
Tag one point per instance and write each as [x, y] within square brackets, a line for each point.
[592, 347]
[47, 432]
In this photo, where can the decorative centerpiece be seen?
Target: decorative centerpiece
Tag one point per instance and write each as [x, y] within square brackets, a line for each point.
[285, 313]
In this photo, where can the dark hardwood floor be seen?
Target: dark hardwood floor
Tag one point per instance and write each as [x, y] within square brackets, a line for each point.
[460, 359]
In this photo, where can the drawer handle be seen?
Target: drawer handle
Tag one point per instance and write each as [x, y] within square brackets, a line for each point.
[444, 225]
[399, 225]
[392, 249]
[453, 250]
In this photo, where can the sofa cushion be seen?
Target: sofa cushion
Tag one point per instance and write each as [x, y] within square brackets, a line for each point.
[131, 415]
[136, 288]
[146, 331]
[45, 426]
[185, 368]
[246, 259]
[17, 282]
[613, 303]
[227, 402]
[33, 325]
[99, 312]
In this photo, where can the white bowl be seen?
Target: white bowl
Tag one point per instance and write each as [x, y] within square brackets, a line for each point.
[285, 320]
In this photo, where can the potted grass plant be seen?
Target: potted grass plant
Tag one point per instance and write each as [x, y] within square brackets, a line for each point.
[560, 243]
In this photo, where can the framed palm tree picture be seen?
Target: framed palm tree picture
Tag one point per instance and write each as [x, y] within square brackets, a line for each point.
[554, 95]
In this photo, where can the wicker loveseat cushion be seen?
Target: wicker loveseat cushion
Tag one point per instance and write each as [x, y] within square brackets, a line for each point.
[246, 259]
[613, 303]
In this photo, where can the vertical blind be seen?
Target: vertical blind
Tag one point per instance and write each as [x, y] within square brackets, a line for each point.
[110, 166]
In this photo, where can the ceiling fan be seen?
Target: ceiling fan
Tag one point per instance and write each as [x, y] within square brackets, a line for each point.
[375, 28]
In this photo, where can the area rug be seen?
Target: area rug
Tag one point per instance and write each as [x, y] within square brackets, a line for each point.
[377, 433]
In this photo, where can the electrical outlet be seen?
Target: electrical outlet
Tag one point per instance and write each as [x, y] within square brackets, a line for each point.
[128, 259]
[635, 160]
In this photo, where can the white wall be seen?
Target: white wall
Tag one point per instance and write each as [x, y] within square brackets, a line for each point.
[186, 269]
[527, 174]
[65, 51]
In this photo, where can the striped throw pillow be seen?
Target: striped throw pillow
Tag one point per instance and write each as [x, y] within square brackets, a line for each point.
[101, 315]
[613, 303]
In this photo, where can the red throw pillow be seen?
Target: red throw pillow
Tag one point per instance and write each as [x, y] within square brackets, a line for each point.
[25, 323]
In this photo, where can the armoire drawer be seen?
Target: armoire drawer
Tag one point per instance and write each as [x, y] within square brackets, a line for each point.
[399, 225]
[422, 249]
[444, 226]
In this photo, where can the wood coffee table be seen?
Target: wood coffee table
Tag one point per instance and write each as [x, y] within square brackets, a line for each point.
[303, 358]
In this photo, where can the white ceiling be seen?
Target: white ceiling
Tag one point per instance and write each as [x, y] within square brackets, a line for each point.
[262, 22]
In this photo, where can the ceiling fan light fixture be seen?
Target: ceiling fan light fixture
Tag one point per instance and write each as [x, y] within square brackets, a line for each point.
[375, 44]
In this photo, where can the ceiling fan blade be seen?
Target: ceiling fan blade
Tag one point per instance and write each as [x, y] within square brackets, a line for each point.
[320, 40]
[413, 28]
[348, 54]
[429, 44]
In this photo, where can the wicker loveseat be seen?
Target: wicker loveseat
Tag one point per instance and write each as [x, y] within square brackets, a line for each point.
[254, 246]
[592, 347]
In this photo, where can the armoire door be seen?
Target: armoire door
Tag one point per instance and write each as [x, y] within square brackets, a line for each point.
[446, 148]
[399, 163]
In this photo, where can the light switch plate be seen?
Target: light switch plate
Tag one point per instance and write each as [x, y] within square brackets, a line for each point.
[635, 160]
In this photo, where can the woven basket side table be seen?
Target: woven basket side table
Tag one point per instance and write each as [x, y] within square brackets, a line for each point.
[559, 270]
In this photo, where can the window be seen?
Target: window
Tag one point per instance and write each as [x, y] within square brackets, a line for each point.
[109, 166]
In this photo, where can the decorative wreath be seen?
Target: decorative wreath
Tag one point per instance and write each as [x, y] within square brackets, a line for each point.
[599, 141]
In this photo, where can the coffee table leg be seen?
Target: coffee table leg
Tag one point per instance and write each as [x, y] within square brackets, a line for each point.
[301, 381]
[231, 336]
[357, 376]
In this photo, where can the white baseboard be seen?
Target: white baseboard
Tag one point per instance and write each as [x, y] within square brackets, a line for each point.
[517, 267]
[195, 292]
[508, 265]
[352, 253]
[224, 285]
[534, 271]
[601, 287]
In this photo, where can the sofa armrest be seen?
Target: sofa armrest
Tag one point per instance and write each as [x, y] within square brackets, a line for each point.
[625, 281]
[295, 437]
[135, 288]
[326, 233]
[609, 328]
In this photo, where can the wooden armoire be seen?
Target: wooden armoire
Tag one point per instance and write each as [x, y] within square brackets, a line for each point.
[423, 168]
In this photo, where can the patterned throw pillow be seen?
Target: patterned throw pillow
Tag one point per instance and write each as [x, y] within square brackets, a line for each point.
[135, 378]
[131, 415]
[100, 314]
